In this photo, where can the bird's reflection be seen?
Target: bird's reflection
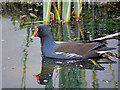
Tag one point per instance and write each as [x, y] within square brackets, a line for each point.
[63, 73]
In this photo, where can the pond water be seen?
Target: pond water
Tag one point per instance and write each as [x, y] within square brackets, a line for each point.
[23, 65]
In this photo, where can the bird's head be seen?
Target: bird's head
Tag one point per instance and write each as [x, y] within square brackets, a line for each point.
[41, 31]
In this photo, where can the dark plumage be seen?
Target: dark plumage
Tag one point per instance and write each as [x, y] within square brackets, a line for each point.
[69, 50]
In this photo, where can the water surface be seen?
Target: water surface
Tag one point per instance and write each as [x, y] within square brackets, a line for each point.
[23, 65]
[21, 60]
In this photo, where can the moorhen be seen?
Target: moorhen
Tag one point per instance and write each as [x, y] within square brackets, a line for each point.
[68, 50]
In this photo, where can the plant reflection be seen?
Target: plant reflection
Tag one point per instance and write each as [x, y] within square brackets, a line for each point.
[95, 83]
[65, 73]
[66, 32]
[113, 77]
[80, 30]
[28, 40]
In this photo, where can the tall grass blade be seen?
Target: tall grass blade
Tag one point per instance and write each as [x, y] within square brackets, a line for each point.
[59, 7]
[66, 10]
[56, 12]
[46, 11]
[77, 8]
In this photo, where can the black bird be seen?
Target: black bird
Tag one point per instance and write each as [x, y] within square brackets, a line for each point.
[68, 50]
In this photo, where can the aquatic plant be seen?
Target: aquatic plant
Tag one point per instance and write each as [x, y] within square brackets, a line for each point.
[59, 7]
[77, 8]
[56, 12]
[66, 10]
[46, 11]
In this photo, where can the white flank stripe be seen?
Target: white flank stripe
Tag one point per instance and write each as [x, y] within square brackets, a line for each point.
[101, 52]
[69, 54]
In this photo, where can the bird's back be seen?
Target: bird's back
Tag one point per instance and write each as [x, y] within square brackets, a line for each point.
[78, 48]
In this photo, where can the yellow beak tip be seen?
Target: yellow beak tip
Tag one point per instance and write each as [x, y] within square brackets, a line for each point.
[32, 36]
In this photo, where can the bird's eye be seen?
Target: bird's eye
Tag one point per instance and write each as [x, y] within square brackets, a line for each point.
[41, 30]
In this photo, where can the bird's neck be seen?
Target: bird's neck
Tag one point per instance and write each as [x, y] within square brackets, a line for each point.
[47, 40]
[48, 45]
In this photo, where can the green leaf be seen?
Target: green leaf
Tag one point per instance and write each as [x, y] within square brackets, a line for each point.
[66, 10]
[46, 11]
[56, 12]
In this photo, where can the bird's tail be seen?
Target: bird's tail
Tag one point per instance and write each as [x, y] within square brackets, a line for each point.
[105, 50]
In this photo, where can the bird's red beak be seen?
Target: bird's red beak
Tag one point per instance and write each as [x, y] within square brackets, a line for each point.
[35, 33]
